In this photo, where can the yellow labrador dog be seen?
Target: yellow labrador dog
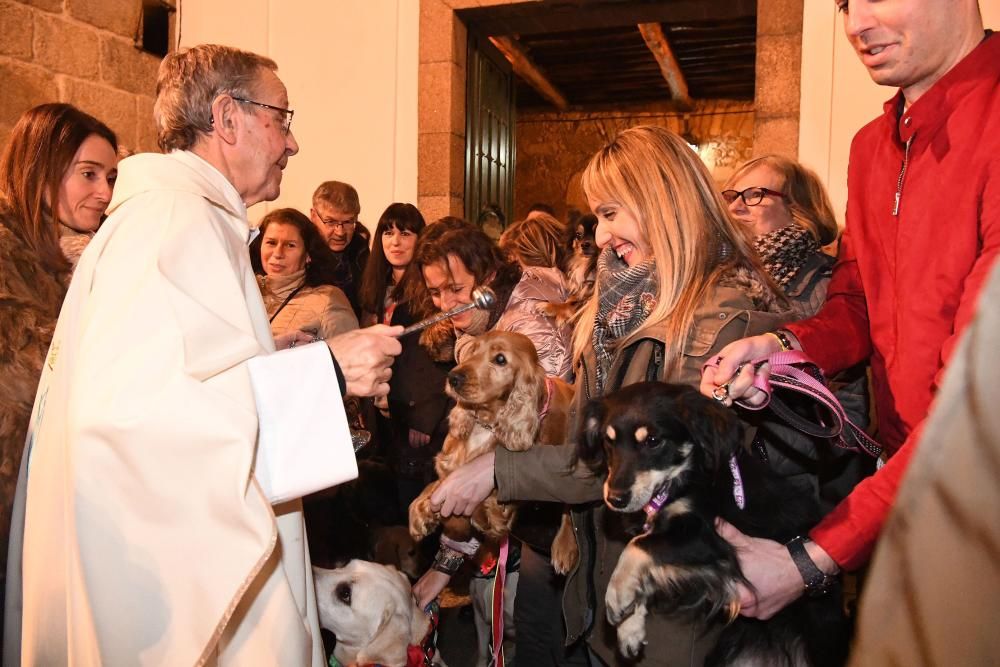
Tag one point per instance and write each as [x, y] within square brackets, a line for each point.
[370, 609]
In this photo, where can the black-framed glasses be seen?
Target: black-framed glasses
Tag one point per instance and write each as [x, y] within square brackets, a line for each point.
[286, 123]
[750, 196]
[339, 225]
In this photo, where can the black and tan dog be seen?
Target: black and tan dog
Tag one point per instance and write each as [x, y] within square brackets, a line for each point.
[674, 459]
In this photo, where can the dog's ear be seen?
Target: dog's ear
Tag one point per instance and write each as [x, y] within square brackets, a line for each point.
[388, 645]
[713, 426]
[517, 421]
[590, 441]
[460, 422]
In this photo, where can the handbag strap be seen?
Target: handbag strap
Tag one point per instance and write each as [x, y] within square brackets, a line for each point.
[792, 370]
[287, 300]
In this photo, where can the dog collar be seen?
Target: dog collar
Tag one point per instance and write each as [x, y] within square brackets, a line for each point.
[548, 398]
[655, 504]
[417, 655]
[660, 498]
[738, 494]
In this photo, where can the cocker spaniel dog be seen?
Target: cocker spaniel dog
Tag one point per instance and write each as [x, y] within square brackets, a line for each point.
[370, 609]
[504, 398]
[675, 462]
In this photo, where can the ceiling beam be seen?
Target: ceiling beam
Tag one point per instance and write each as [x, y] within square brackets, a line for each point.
[533, 18]
[652, 34]
[525, 68]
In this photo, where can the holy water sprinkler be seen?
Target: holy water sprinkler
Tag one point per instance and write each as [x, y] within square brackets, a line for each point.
[483, 298]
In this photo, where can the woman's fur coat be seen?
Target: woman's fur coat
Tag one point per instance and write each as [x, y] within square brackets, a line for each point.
[30, 298]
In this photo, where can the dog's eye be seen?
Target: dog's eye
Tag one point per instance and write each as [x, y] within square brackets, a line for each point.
[343, 593]
[652, 441]
[500, 360]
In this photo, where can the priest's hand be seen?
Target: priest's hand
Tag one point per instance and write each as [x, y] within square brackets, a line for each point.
[365, 358]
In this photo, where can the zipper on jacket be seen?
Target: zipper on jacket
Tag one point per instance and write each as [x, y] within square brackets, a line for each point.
[902, 175]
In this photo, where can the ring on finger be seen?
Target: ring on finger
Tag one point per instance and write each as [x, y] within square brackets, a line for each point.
[721, 393]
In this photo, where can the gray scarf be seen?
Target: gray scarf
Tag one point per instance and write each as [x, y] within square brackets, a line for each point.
[626, 297]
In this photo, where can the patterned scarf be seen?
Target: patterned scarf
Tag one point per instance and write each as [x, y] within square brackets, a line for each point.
[784, 251]
[627, 295]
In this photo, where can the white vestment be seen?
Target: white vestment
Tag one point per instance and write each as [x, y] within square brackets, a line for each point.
[147, 538]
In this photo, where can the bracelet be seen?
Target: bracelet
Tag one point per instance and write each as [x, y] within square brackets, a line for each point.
[448, 561]
[468, 548]
[783, 341]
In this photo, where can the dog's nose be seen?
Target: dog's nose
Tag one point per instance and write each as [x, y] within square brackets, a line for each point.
[456, 380]
[618, 499]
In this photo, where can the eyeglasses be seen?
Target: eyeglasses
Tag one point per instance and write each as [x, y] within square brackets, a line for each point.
[338, 225]
[286, 123]
[750, 196]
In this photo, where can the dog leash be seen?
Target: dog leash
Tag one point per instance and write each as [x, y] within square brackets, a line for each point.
[497, 603]
[792, 370]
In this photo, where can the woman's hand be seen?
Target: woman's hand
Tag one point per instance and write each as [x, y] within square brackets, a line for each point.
[429, 587]
[730, 376]
[465, 488]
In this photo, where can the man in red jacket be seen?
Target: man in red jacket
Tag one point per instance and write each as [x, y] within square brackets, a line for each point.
[923, 228]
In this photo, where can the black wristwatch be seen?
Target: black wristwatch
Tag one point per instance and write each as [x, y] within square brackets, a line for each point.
[817, 582]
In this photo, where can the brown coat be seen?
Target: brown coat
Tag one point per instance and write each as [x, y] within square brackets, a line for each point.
[322, 310]
[30, 297]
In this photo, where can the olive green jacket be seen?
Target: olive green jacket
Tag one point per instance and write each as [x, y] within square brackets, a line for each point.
[551, 474]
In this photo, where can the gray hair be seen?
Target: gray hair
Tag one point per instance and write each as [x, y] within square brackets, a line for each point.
[190, 80]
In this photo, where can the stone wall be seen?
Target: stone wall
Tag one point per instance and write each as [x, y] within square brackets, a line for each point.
[553, 148]
[779, 77]
[81, 52]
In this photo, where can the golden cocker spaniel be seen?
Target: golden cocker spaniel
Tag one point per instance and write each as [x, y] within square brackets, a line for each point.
[503, 398]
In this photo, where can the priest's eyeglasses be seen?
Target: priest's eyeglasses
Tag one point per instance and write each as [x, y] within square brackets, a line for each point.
[286, 123]
[750, 196]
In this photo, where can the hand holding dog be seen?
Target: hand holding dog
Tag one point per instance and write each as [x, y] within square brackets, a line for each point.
[723, 369]
[465, 488]
[365, 357]
[769, 568]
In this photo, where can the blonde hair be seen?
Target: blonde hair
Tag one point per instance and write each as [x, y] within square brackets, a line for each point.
[806, 198]
[188, 82]
[540, 240]
[655, 175]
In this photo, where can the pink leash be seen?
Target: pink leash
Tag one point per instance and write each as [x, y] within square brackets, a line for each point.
[498, 595]
[792, 370]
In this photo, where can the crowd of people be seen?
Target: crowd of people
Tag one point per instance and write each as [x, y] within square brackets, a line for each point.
[143, 313]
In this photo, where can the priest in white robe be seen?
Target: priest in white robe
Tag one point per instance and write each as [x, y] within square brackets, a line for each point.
[148, 536]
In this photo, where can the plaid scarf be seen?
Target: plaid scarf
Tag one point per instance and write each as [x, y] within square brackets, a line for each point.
[784, 251]
[627, 295]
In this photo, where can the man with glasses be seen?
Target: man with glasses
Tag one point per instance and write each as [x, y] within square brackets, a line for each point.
[335, 210]
[152, 524]
[923, 229]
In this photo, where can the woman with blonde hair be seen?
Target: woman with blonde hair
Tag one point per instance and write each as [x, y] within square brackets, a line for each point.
[786, 208]
[677, 280]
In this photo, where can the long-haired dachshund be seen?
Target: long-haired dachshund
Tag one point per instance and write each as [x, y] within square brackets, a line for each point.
[674, 459]
[503, 398]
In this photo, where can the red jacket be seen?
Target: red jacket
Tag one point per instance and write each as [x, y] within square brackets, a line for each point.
[906, 282]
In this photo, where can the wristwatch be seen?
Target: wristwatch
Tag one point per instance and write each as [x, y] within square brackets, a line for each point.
[817, 582]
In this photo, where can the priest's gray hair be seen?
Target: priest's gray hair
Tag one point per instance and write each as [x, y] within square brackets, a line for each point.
[190, 80]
